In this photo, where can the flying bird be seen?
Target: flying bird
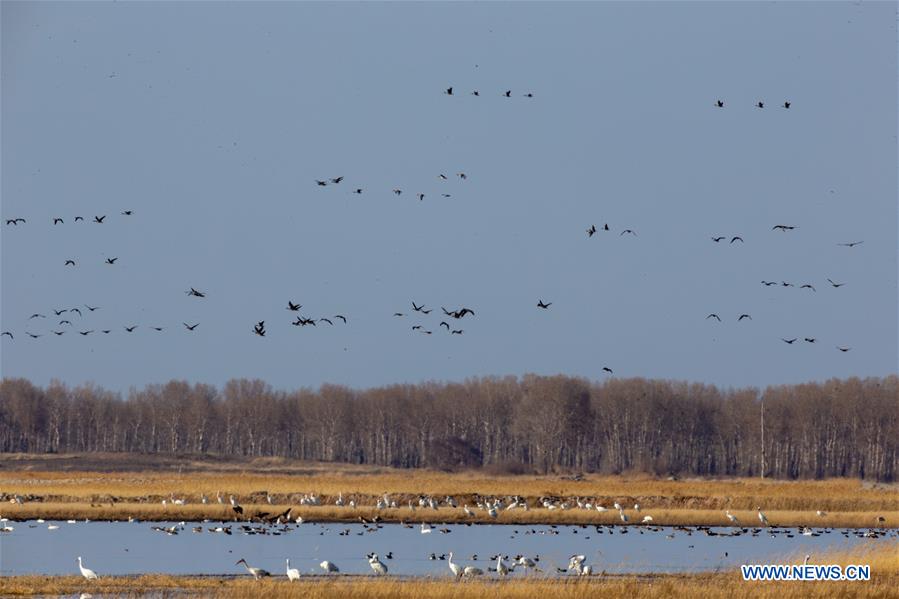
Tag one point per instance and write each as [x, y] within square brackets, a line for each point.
[851, 244]
[742, 316]
[713, 316]
[760, 105]
[77, 218]
[540, 304]
[809, 339]
[195, 293]
[190, 327]
[69, 263]
[788, 341]
[292, 306]
[321, 183]
[111, 260]
[628, 231]
[456, 332]
[36, 316]
[843, 349]
[85, 333]
[607, 369]
[336, 180]
[358, 191]
[837, 285]
[508, 93]
[7, 333]
[591, 231]
[58, 333]
[421, 197]
[397, 191]
[445, 324]
[56, 221]
[441, 176]
[783, 227]
[718, 239]
[127, 212]
[475, 93]
[99, 219]
[32, 335]
[417, 308]
[735, 238]
[131, 328]
[807, 286]
[259, 328]
[720, 103]
[91, 308]
[786, 104]
[398, 314]
[68, 322]
[326, 320]
[462, 176]
[341, 317]
[768, 283]
[449, 91]
[158, 328]
[58, 312]
[75, 310]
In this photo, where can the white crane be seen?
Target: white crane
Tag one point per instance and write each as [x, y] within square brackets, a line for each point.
[600, 508]
[623, 516]
[339, 500]
[467, 511]
[292, 573]
[527, 563]
[762, 518]
[647, 519]
[821, 513]
[256, 572]
[577, 564]
[805, 561]
[219, 497]
[86, 572]
[501, 568]
[636, 507]
[732, 518]
[492, 512]
[617, 506]
[472, 571]
[456, 568]
[328, 566]
[377, 565]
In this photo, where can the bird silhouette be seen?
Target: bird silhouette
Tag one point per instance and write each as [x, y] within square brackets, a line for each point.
[809, 339]
[449, 91]
[77, 218]
[742, 316]
[736, 238]
[715, 316]
[462, 176]
[782, 227]
[786, 104]
[628, 231]
[59, 312]
[421, 197]
[127, 212]
[475, 93]
[58, 333]
[131, 328]
[441, 176]
[106, 331]
[607, 369]
[158, 328]
[85, 333]
[326, 320]
[417, 308]
[398, 314]
[768, 283]
[591, 231]
[69, 263]
[508, 93]
[807, 286]
[760, 105]
[292, 306]
[529, 95]
[193, 292]
[7, 333]
[111, 260]
[456, 332]
[416, 327]
[259, 328]
[718, 239]
[341, 317]
[837, 285]
[32, 335]
[336, 180]
[785, 284]
[91, 309]
[358, 191]
[788, 341]
[843, 349]
[190, 327]
[851, 244]
[68, 322]
[99, 219]
[445, 324]
[57, 221]
[36, 316]
[540, 304]
[720, 103]
[75, 310]
[397, 191]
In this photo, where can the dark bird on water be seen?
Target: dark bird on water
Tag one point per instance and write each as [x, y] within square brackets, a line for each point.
[111, 260]
[190, 327]
[742, 316]
[540, 304]
[195, 293]
[736, 238]
[788, 341]
[292, 306]
[715, 316]
[835, 284]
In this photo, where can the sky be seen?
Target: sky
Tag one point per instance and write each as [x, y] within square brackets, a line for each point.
[212, 121]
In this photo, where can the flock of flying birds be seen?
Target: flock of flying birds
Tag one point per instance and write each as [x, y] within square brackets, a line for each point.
[418, 310]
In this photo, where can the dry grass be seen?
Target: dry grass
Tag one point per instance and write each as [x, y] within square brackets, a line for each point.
[120, 486]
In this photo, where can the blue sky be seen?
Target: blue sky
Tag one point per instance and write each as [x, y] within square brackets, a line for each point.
[212, 121]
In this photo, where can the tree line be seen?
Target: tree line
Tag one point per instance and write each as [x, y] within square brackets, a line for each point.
[511, 424]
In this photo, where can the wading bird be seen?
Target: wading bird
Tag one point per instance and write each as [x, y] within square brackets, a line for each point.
[86, 572]
[256, 572]
[292, 573]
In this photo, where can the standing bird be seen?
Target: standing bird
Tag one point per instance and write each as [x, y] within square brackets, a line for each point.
[454, 567]
[762, 518]
[501, 568]
[328, 566]
[256, 572]
[292, 573]
[377, 565]
[86, 572]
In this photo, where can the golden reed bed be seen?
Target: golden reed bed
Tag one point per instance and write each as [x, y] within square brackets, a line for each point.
[115, 487]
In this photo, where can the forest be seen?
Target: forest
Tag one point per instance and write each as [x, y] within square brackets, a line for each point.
[529, 424]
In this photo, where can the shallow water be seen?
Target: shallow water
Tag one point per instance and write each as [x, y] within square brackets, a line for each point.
[135, 548]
